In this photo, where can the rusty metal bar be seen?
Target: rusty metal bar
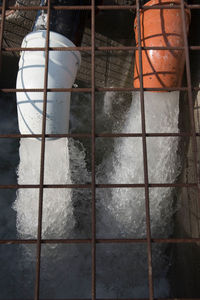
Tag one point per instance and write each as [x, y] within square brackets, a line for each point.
[190, 101]
[150, 185]
[97, 89]
[99, 7]
[54, 7]
[93, 286]
[42, 160]
[102, 241]
[145, 162]
[98, 135]
[99, 48]
[76, 90]
[2, 29]
[101, 186]
[161, 134]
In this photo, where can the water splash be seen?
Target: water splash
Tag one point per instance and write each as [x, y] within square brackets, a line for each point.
[125, 165]
[120, 212]
[57, 218]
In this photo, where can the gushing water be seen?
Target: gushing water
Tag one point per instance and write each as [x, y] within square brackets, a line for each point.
[125, 165]
[121, 211]
[57, 213]
[121, 269]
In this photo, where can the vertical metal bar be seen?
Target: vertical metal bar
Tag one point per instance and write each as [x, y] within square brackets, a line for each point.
[145, 162]
[41, 189]
[93, 151]
[189, 86]
[3, 14]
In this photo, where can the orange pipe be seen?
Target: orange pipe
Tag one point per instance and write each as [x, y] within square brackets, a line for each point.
[160, 28]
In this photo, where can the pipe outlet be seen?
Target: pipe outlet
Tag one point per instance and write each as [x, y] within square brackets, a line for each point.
[160, 27]
[62, 70]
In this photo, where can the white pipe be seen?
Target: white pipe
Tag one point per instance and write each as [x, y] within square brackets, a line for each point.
[62, 69]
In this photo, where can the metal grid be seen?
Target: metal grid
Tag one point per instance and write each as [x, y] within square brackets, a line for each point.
[93, 135]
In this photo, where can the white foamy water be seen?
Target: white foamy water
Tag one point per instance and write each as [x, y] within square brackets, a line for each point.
[121, 269]
[125, 165]
[57, 220]
[121, 211]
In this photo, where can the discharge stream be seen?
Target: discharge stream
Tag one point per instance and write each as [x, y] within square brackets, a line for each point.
[121, 269]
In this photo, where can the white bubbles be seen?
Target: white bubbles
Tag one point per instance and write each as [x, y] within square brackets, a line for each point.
[121, 212]
[57, 219]
[125, 165]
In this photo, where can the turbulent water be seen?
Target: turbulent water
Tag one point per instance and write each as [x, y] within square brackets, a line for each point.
[125, 165]
[121, 269]
[57, 212]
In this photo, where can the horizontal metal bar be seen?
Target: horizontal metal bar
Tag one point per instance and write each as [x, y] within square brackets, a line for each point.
[160, 134]
[18, 136]
[151, 185]
[100, 186]
[35, 90]
[53, 7]
[17, 49]
[100, 48]
[49, 186]
[130, 89]
[102, 241]
[98, 135]
[159, 241]
[97, 89]
[99, 7]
